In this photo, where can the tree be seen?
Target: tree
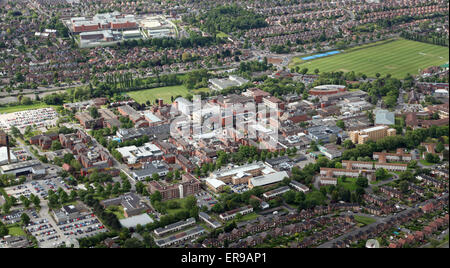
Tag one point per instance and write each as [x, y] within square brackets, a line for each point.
[439, 147]
[412, 164]
[340, 124]
[348, 144]
[6, 207]
[56, 145]
[93, 111]
[406, 176]
[68, 158]
[254, 203]
[362, 182]
[25, 219]
[431, 158]
[381, 174]
[156, 197]
[190, 202]
[36, 200]
[289, 197]
[404, 185]
[133, 243]
[155, 176]
[4, 231]
[25, 201]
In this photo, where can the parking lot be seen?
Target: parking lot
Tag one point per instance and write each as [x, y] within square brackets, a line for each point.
[21, 154]
[238, 188]
[84, 226]
[45, 233]
[205, 199]
[14, 217]
[50, 235]
[38, 188]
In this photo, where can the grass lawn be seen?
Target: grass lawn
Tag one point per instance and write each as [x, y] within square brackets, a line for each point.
[248, 217]
[181, 205]
[397, 58]
[165, 93]
[15, 230]
[349, 184]
[222, 35]
[117, 210]
[425, 163]
[364, 220]
[17, 108]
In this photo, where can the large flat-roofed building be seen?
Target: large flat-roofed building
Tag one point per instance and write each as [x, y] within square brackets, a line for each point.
[298, 186]
[148, 170]
[338, 172]
[373, 134]
[323, 133]
[328, 181]
[400, 155]
[232, 213]
[132, 222]
[279, 191]
[241, 174]
[22, 168]
[177, 238]
[231, 81]
[4, 158]
[188, 186]
[147, 152]
[384, 117]
[88, 122]
[66, 213]
[113, 21]
[174, 227]
[206, 218]
[215, 185]
[372, 165]
[326, 90]
[268, 179]
[157, 27]
[131, 203]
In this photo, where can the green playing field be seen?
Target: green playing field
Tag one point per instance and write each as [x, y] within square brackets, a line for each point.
[397, 58]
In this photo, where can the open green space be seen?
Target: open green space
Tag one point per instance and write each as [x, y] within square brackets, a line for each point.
[397, 58]
[117, 210]
[349, 183]
[15, 230]
[425, 162]
[17, 108]
[180, 207]
[222, 35]
[248, 217]
[364, 220]
[165, 93]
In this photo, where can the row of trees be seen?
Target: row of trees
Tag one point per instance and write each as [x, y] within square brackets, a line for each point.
[229, 18]
[440, 41]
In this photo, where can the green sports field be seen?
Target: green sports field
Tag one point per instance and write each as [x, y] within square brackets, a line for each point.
[397, 58]
[165, 93]
[17, 108]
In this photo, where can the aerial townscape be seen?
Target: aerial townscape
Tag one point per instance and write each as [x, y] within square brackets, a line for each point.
[224, 124]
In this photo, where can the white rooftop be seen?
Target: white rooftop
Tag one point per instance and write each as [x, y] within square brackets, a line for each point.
[130, 222]
[269, 178]
[215, 182]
